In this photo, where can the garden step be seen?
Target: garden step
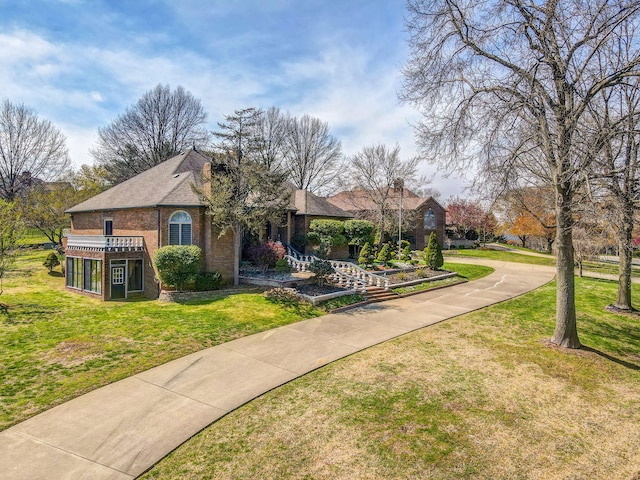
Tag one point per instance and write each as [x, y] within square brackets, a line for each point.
[379, 294]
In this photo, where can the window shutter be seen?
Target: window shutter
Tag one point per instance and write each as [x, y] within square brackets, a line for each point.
[174, 234]
[186, 234]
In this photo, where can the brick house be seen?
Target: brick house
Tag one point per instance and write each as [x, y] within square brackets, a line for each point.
[114, 234]
[423, 214]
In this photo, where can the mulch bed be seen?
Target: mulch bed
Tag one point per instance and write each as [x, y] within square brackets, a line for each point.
[622, 311]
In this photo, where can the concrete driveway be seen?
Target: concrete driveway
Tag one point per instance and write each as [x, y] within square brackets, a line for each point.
[121, 430]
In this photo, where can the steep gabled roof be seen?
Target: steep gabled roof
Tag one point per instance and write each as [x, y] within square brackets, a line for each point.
[306, 203]
[166, 184]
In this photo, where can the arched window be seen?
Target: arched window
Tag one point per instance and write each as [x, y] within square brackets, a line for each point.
[429, 220]
[180, 229]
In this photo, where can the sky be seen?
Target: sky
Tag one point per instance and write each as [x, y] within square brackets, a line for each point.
[81, 63]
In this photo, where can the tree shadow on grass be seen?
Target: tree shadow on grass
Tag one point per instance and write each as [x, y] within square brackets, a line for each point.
[611, 358]
[56, 274]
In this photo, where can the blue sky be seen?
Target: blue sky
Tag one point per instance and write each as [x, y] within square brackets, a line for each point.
[81, 63]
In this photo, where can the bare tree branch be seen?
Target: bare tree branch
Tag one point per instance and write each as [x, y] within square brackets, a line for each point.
[30, 148]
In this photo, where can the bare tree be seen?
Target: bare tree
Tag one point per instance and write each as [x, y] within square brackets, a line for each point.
[372, 173]
[30, 148]
[517, 78]
[312, 155]
[592, 235]
[616, 124]
[269, 137]
[160, 125]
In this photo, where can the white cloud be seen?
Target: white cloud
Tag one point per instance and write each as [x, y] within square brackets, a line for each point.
[96, 97]
[79, 140]
[82, 87]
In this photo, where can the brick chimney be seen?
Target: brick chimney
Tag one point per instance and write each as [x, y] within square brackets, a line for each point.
[206, 177]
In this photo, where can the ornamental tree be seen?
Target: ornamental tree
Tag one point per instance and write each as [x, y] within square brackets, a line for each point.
[433, 253]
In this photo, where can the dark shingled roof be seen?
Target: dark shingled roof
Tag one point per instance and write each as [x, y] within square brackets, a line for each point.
[358, 200]
[306, 203]
[166, 184]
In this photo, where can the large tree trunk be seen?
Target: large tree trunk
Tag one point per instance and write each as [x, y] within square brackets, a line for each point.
[237, 252]
[625, 252]
[566, 332]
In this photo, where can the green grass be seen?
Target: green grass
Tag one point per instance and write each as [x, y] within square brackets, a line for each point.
[500, 255]
[33, 236]
[57, 345]
[465, 272]
[468, 271]
[481, 396]
[341, 302]
[526, 249]
[607, 268]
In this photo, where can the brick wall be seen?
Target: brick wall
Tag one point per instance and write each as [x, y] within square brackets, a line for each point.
[153, 225]
[222, 254]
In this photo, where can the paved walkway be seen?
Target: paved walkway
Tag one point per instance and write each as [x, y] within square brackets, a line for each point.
[119, 431]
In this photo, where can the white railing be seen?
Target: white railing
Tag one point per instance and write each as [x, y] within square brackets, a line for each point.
[355, 271]
[343, 279]
[349, 270]
[298, 264]
[292, 252]
[338, 277]
[105, 243]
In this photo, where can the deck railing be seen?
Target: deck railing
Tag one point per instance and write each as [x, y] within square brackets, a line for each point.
[105, 243]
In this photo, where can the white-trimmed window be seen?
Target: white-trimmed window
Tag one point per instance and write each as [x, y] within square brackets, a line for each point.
[180, 229]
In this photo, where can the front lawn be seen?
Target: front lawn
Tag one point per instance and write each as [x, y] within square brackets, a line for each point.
[57, 345]
[481, 396]
[501, 255]
[465, 272]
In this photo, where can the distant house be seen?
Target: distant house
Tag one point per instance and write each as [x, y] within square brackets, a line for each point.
[424, 214]
[114, 234]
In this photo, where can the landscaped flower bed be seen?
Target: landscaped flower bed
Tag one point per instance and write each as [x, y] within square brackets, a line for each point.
[316, 294]
[405, 275]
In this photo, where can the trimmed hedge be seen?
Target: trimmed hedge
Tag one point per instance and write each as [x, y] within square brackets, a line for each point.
[177, 265]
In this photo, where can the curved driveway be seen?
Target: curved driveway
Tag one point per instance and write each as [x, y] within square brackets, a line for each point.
[120, 430]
